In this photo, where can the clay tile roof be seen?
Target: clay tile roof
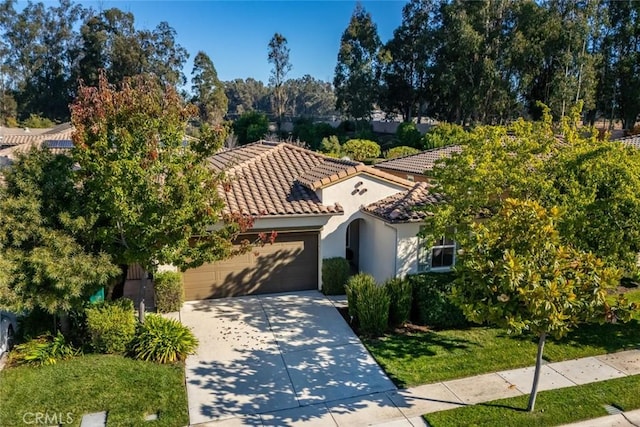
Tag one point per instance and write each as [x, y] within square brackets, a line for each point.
[272, 178]
[421, 162]
[262, 180]
[631, 141]
[401, 207]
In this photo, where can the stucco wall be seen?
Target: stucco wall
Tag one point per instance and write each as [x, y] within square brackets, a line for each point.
[377, 249]
[351, 194]
[407, 254]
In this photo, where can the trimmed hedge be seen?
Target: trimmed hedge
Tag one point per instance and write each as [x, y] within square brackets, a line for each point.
[370, 304]
[169, 291]
[400, 295]
[431, 303]
[335, 273]
[111, 326]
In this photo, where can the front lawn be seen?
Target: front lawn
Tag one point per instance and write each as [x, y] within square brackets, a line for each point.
[554, 407]
[418, 357]
[128, 389]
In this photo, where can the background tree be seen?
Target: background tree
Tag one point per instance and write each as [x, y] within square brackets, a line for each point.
[48, 265]
[153, 198]
[356, 80]
[250, 127]
[246, 95]
[309, 97]
[208, 90]
[407, 60]
[516, 272]
[279, 57]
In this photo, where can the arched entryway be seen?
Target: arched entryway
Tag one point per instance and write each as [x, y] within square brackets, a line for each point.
[352, 244]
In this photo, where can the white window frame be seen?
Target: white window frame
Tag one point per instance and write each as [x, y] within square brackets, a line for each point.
[425, 255]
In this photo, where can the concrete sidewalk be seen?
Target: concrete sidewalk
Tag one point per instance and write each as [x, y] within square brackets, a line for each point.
[405, 407]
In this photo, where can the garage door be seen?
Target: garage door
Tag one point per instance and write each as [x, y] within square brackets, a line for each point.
[289, 264]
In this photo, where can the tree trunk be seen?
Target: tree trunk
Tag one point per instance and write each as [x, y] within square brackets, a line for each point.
[65, 323]
[536, 375]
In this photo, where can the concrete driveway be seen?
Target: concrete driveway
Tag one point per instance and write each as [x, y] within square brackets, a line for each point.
[272, 353]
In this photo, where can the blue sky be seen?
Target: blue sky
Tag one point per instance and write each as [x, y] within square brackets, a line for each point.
[235, 34]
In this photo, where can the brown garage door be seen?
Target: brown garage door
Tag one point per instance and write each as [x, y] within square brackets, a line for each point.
[289, 264]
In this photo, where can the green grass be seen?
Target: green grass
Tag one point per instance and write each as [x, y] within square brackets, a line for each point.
[554, 407]
[126, 388]
[425, 357]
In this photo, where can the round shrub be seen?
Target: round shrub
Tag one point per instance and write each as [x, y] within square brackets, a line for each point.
[335, 273]
[432, 304]
[163, 340]
[409, 135]
[111, 325]
[360, 149]
[169, 291]
[369, 302]
[400, 296]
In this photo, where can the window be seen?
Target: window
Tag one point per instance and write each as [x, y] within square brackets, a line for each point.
[440, 256]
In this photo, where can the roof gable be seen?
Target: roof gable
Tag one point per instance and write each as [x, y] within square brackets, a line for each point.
[421, 162]
[404, 206]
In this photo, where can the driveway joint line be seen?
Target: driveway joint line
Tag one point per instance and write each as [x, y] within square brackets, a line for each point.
[280, 352]
[444, 383]
[550, 365]
[609, 365]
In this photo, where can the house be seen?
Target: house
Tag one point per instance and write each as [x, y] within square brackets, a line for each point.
[416, 167]
[16, 140]
[321, 208]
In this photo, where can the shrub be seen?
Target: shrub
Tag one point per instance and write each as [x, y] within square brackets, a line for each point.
[445, 134]
[431, 301]
[169, 291]
[371, 304]
[163, 340]
[360, 149]
[43, 350]
[111, 325]
[335, 273]
[401, 151]
[409, 135]
[35, 121]
[400, 296]
[250, 127]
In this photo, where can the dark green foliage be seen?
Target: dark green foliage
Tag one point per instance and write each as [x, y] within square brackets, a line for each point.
[400, 296]
[169, 291]
[250, 127]
[43, 350]
[163, 340]
[111, 326]
[305, 130]
[335, 273]
[431, 301]
[408, 134]
[369, 302]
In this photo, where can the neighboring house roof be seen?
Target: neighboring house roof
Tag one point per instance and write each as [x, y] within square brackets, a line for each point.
[404, 206]
[279, 179]
[421, 162]
[632, 141]
[15, 140]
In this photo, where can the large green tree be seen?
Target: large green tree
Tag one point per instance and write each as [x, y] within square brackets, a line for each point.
[47, 263]
[595, 183]
[356, 74]
[515, 271]
[407, 60]
[152, 196]
[208, 90]
[279, 57]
